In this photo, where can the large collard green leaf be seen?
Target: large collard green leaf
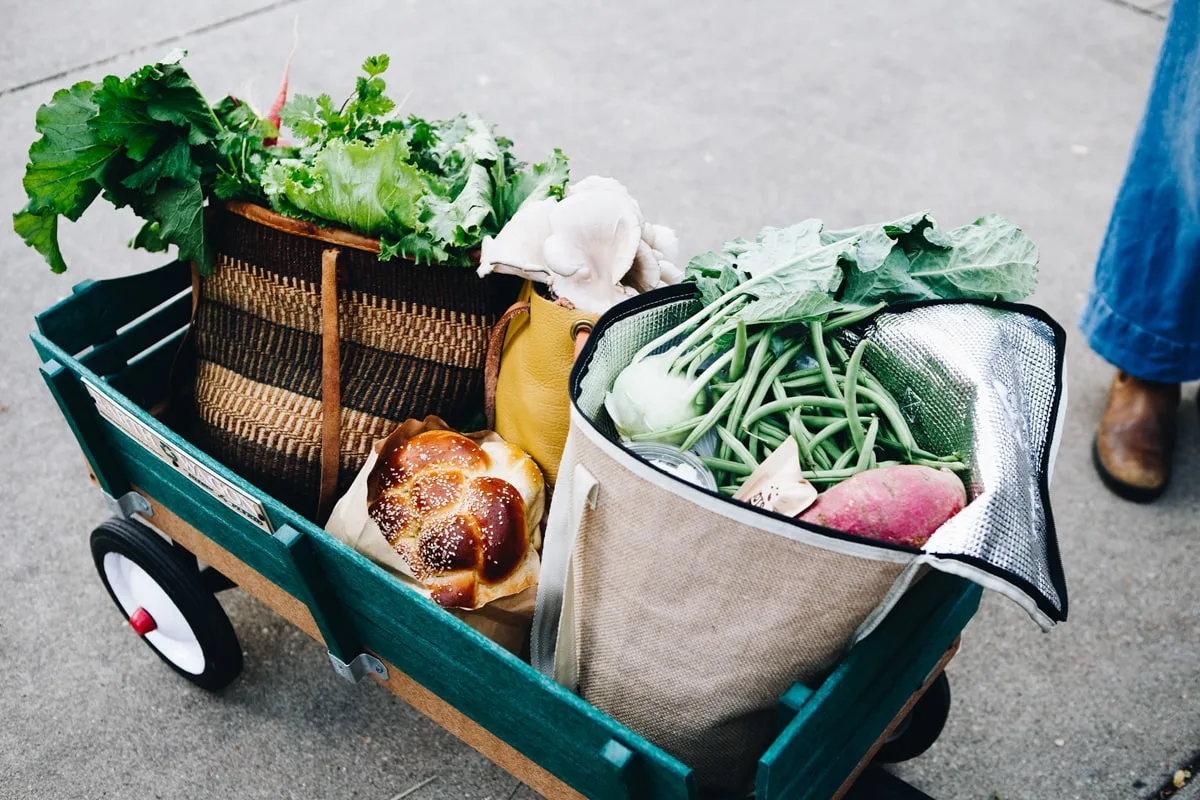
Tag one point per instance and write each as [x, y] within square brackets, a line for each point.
[777, 246]
[713, 273]
[790, 291]
[67, 161]
[39, 229]
[787, 271]
[138, 113]
[802, 306]
[370, 188]
[889, 282]
[990, 259]
[179, 210]
[64, 170]
[173, 163]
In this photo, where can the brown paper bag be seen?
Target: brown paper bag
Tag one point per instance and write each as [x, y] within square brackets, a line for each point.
[505, 621]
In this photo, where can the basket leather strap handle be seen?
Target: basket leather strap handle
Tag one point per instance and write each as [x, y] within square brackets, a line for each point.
[491, 366]
[331, 384]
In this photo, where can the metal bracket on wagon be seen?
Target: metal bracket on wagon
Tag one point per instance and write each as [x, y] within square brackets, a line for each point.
[360, 666]
[129, 504]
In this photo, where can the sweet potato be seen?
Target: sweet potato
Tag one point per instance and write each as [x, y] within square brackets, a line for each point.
[901, 504]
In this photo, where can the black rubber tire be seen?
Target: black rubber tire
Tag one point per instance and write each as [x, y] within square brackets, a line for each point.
[183, 584]
[917, 732]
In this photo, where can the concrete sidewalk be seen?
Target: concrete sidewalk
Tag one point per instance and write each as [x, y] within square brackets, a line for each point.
[720, 118]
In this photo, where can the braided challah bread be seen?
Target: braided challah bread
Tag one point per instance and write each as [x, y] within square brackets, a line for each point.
[464, 516]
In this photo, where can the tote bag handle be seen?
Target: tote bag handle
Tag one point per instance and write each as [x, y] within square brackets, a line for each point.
[550, 622]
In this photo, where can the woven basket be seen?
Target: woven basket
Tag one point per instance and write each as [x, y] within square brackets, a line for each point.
[285, 376]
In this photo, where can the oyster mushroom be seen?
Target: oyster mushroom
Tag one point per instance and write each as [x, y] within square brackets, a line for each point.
[594, 239]
[592, 248]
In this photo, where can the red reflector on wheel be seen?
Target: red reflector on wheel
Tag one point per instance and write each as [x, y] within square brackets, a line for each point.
[142, 622]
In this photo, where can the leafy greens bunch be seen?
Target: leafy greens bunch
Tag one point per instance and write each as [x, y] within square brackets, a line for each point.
[429, 190]
[759, 362]
[149, 141]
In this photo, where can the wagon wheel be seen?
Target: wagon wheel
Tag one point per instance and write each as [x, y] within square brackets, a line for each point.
[168, 602]
[917, 732]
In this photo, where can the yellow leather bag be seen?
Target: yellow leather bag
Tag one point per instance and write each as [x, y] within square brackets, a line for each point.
[530, 354]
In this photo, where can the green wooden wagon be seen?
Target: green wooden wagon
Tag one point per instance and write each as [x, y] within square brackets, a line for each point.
[105, 352]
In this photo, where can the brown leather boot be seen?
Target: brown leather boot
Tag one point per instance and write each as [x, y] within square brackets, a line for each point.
[1136, 437]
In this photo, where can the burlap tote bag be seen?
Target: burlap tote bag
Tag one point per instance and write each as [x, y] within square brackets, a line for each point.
[308, 349]
[686, 616]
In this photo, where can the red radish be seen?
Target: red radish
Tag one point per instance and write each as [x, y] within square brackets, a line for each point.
[281, 98]
[903, 504]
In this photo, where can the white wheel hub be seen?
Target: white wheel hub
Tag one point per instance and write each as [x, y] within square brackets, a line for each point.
[172, 635]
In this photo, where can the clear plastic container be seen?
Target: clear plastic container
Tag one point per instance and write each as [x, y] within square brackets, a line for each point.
[687, 466]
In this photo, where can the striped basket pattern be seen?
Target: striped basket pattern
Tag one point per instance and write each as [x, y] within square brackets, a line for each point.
[412, 342]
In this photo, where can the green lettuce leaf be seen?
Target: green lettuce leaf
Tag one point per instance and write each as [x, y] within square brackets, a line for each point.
[457, 223]
[369, 188]
[529, 185]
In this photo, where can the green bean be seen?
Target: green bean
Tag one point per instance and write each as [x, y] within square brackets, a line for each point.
[842, 320]
[866, 455]
[739, 351]
[839, 352]
[800, 373]
[834, 427]
[737, 447]
[843, 461]
[831, 449]
[917, 452]
[773, 428]
[777, 390]
[829, 475]
[751, 376]
[815, 456]
[818, 346]
[953, 466]
[768, 377]
[889, 409]
[730, 489]
[857, 434]
[693, 360]
[800, 434]
[864, 375]
[769, 438]
[806, 382]
[711, 418]
[813, 400]
[701, 382]
[732, 467]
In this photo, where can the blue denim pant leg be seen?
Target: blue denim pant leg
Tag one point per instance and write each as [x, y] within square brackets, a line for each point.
[1143, 313]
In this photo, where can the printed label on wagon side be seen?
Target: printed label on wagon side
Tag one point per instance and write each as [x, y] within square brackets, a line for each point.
[229, 495]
